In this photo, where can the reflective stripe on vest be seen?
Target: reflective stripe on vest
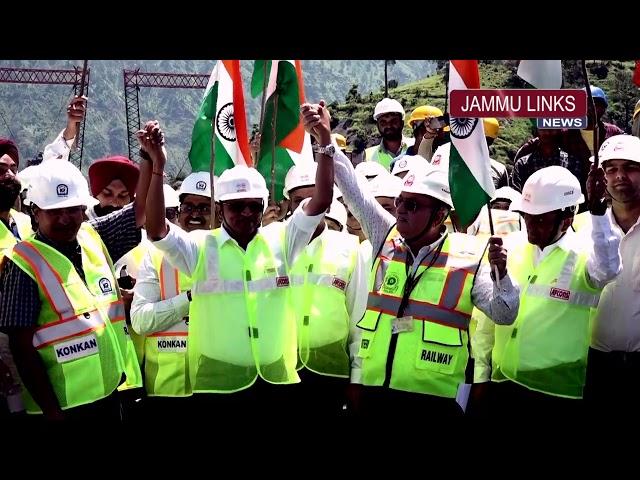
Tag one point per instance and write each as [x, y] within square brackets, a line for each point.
[69, 324]
[319, 279]
[419, 310]
[575, 298]
[71, 327]
[47, 277]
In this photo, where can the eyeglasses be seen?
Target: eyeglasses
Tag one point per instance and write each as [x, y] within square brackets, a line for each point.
[171, 213]
[238, 207]
[203, 208]
[410, 205]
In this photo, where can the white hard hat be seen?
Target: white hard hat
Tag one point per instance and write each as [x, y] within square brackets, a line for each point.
[241, 182]
[386, 185]
[408, 162]
[196, 183]
[387, 105]
[620, 147]
[508, 193]
[370, 169]
[428, 181]
[303, 175]
[338, 213]
[548, 189]
[24, 175]
[60, 187]
[171, 198]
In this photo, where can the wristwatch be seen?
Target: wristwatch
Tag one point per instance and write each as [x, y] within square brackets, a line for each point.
[328, 150]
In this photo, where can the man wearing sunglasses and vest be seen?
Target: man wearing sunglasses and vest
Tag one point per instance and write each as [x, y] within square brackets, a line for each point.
[422, 289]
[537, 365]
[242, 331]
[160, 311]
[61, 305]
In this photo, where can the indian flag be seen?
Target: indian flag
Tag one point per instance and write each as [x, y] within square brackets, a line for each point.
[222, 111]
[541, 73]
[282, 125]
[469, 166]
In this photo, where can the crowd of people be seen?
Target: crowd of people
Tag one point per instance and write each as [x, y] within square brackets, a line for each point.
[362, 297]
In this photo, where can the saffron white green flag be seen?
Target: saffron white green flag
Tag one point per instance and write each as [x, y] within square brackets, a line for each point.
[282, 128]
[541, 73]
[222, 111]
[470, 178]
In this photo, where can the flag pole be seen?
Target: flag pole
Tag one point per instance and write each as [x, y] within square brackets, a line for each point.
[590, 101]
[273, 148]
[264, 97]
[81, 90]
[491, 229]
[212, 169]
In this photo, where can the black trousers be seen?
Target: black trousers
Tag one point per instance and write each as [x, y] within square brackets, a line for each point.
[512, 404]
[612, 392]
[105, 413]
[406, 412]
[319, 396]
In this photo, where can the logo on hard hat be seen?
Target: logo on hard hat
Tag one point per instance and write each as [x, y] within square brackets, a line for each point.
[201, 185]
[225, 123]
[105, 285]
[242, 186]
[62, 190]
[568, 192]
[436, 160]
[409, 181]
[402, 163]
[619, 146]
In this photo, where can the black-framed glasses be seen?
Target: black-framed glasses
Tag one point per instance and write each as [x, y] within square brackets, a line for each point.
[171, 213]
[202, 209]
[238, 206]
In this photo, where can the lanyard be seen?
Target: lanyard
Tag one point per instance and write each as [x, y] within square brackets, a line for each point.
[413, 280]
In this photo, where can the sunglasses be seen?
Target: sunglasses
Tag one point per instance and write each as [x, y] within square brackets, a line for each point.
[171, 213]
[203, 209]
[410, 205]
[239, 207]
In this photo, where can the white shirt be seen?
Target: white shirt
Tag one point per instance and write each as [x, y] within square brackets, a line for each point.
[499, 303]
[181, 249]
[59, 149]
[602, 267]
[616, 326]
[150, 314]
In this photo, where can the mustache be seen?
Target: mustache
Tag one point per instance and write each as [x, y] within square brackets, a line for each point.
[9, 191]
[102, 211]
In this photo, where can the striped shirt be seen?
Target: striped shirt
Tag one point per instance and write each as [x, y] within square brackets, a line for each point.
[19, 298]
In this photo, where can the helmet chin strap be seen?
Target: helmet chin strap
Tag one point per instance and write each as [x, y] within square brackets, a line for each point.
[425, 229]
[556, 234]
[230, 229]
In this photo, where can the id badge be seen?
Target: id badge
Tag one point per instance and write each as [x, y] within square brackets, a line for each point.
[402, 324]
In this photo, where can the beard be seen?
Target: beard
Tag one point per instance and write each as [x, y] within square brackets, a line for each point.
[392, 134]
[102, 211]
[9, 191]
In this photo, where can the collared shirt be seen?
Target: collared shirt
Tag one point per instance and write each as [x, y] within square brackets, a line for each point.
[603, 265]
[531, 163]
[182, 250]
[498, 302]
[616, 326]
[19, 297]
[59, 149]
